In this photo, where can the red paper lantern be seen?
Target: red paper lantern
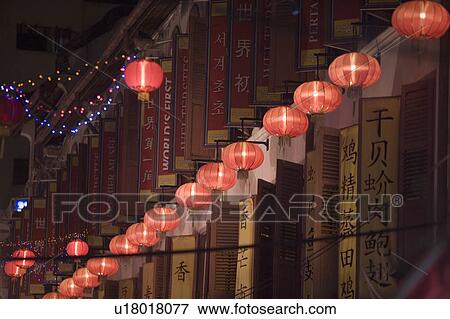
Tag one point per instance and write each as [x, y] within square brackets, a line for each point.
[354, 69]
[69, 289]
[242, 156]
[162, 219]
[317, 97]
[193, 196]
[216, 176]
[77, 248]
[11, 111]
[143, 76]
[54, 295]
[13, 271]
[85, 279]
[285, 121]
[104, 266]
[24, 253]
[142, 235]
[421, 19]
[120, 245]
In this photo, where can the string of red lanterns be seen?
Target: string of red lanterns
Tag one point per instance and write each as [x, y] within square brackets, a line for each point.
[54, 295]
[141, 235]
[27, 255]
[284, 121]
[354, 69]
[12, 270]
[143, 76]
[103, 266]
[421, 19]
[69, 289]
[193, 196]
[216, 177]
[317, 97]
[77, 248]
[120, 245]
[85, 279]
[162, 219]
[242, 156]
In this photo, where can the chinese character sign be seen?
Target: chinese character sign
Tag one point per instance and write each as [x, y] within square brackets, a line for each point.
[165, 152]
[245, 256]
[312, 32]
[94, 175]
[311, 188]
[149, 129]
[181, 101]
[378, 149]
[217, 73]
[262, 69]
[126, 289]
[348, 212]
[183, 268]
[241, 57]
[110, 151]
[148, 281]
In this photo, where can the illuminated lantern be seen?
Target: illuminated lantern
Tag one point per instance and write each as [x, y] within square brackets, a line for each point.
[54, 295]
[317, 97]
[143, 76]
[162, 219]
[193, 196]
[77, 248]
[120, 245]
[11, 111]
[421, 19]
[69, 289]
[216, 176]
[142, 235]
[285, 121]
[84, 278]
[242, 156]
[103, 266]
[13, 271]
[24, 253]
[354, 70]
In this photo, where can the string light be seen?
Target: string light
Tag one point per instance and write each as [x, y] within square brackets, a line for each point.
[100, 101]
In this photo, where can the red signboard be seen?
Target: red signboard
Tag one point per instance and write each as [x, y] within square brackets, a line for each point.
[165, 152]
[94, 176]
[74, 225]
[344, 13]
[38, 236]
[61, 227]
[51, 226]
[262, 54]
[149, 129]
[241, 55]
[109, 158]
[181, 102]
[312, 33]
[217, 73]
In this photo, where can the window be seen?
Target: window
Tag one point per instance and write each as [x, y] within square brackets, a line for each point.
[37, 38]
[20, 171]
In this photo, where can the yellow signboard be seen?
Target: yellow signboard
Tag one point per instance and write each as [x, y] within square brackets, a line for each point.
[148, 281]
[311, 187]
[245, 256]
[348, 212]
[379, 135]
[182, 268]
[126, 289]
